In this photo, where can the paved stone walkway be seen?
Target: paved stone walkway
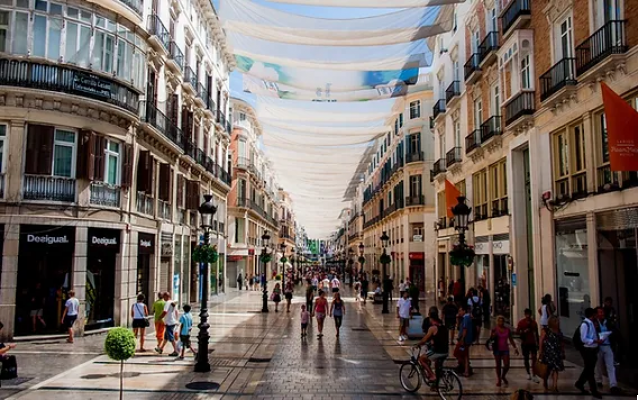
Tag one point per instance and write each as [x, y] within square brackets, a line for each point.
[261, 356]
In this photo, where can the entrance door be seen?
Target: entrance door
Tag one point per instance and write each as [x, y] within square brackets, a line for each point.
[144, 277]
[501, 286]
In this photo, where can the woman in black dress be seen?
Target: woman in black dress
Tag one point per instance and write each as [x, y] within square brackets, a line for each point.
[552, 351]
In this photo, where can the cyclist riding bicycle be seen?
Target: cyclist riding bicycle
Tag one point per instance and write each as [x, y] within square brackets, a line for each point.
[436, 339]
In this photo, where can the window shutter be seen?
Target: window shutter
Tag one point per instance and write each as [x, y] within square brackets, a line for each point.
[31, 156]
[185, 121]
[189, 127]
[180, 191]
[165, 182]
[39, 154]
[98, 158]
[84, 154]
[189, 194]
[142, 173]
[150, 171]
[127, 165]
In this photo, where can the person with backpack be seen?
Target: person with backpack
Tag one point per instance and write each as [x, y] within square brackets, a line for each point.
[474, 301]
[586, 341]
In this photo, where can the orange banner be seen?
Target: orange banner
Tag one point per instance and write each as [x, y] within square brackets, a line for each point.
[451, 193]
[622, 131]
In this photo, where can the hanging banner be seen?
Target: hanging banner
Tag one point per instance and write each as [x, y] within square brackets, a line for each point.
[622, 131]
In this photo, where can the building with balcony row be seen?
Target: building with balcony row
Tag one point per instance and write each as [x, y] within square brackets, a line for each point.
[113, 124]
[525, 139]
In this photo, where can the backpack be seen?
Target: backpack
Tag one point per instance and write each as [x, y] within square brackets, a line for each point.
[9, 367]
[477, 310]
[578, 344]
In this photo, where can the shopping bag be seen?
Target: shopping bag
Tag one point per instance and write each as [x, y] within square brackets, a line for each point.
[541, 370]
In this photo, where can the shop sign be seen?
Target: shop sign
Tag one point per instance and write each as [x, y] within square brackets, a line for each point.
[251, 252]
[48, 236]
[104, 239]
[145, 243]
[417, 238]
[234, 258]
[417, 256]
[501, 247]
[482, 247]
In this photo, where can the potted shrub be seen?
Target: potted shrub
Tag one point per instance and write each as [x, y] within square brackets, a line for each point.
[120, 346]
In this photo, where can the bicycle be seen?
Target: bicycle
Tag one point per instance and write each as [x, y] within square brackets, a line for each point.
[447, 383]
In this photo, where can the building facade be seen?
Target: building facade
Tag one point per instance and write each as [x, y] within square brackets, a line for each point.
[397, 197]
[112, 128]
[549, 214]
[287, 231]
[253, 199]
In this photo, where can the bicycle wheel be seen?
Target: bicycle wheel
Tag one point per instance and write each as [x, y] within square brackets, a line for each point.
[449, 386]
[410, 377]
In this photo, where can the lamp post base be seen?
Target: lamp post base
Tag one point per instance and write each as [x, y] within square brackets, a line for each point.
[264, 307]
[385, 309]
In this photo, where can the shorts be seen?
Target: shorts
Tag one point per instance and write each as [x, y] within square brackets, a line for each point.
[69, 320]
[288, 296]
[450, 324]
[335, 290]
[432, 356]
[169, 333]
[159, 330]
[186, 340]
[321, 315]
[36, 313]
[405, 322]
[304, 325]
[528, 349]
[139, 323]
[501, 353]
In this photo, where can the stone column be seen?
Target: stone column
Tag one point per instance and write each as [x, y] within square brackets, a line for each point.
[9, 279]
[592, 260]
[79, 274]
[14, 167]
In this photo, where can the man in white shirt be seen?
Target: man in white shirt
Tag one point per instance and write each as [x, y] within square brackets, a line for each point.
[169, 315]
[335, 284]
[71, 310]
[605, 355]
[589, 338]
[404, 306]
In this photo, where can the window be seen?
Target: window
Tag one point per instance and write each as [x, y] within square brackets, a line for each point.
[478, 113]
[476, 41]
[112, 162]
[498, 188]
[3, 138]
[20, 41]
[242, 116]
[479, 186]
[415, 185]
[460, 185]
[456, 70]
[4, 30]
[525, 72]
[64, 153]
[415, 143]
[401, 120]
[415, 109]
[442, 148]
[605, 11]
[570, 176]
[457, 133]
[496, 100]
[492, 20]
[565, 39]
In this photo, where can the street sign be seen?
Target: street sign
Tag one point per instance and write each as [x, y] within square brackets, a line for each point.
[514, 281]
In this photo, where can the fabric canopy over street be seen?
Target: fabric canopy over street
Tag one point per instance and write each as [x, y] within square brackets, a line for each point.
[328, 88]
[250, 18]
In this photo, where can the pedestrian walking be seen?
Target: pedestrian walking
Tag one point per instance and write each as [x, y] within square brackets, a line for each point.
[139, 312]
[464, 339]
[404, 308]
[552, 351]
[158, 309]
[248, 281]
[320, 311]
[169, 315]
[288, 290]
[589, 347]
[357, 290]
[38, 299]
[310, 295]
[402, 288]
[335, 284]
[337, 310]
[501, 338]
[263, 281]
[276, 296]
[474, 301]
[605, 354]
[527, 329]
[70, 314]
[486, 302]
[546, 310]
[450, 313]
[390, 287]
[185, 326]
[239, 281]
[305, 319]
[611, 316]
[364, 288]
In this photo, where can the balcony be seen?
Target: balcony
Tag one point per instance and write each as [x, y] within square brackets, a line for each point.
[221, 120]
[417, 156]
[145, 204]
[159, 35]
[561, 75]
[473, 68]
[175, 57]
[154, 117]
[609, 40]
[190, 79]
[103, 194]
[490, 129]
[453, 157]
[438, 167]
[473, 141]
[54, 78]
[202, 95]
[438, 109]
[453, 92]
[414, 200]
[49, 188]
[521, 105]
[487, 49]
[136, 5]
[165, 210]
[517, 15]
[242, 162]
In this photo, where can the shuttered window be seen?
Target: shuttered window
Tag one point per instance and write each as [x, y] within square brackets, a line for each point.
[145, 168]
[165, 181]
[127, 165]
[39, 150]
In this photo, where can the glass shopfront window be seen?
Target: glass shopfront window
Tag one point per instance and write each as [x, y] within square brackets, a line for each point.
[177, 269]
[572, 272]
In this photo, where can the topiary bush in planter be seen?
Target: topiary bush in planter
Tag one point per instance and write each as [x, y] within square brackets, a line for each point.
[120, 346]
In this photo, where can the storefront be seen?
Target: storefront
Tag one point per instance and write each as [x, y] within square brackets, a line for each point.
[145, 259]
[103, 248]
[44, 277]
[502, 276]
[572, 272]
[417, 269]
[166, 257]
[482, 249]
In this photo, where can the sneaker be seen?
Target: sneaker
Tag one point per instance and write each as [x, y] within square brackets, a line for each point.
[158, 350]
[401, 339]
[529, 377]
[173, 354]
[535, 379]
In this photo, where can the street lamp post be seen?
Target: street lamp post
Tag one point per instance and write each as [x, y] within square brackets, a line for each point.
[384, 242]
[283, 265]
[207, 209]
[264, 241]
[461, 213]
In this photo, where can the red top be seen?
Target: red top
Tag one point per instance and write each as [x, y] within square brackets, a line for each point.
[528, 330]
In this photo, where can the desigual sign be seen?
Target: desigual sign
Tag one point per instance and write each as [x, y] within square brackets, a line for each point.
[46, 239]
[146, 243]
[106, 239]
[103, 241]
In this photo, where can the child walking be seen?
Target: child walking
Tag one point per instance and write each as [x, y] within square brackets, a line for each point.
[186, 324]
[305, 319]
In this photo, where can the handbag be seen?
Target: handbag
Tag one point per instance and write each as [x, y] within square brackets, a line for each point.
[541, 369]
[146, 323]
